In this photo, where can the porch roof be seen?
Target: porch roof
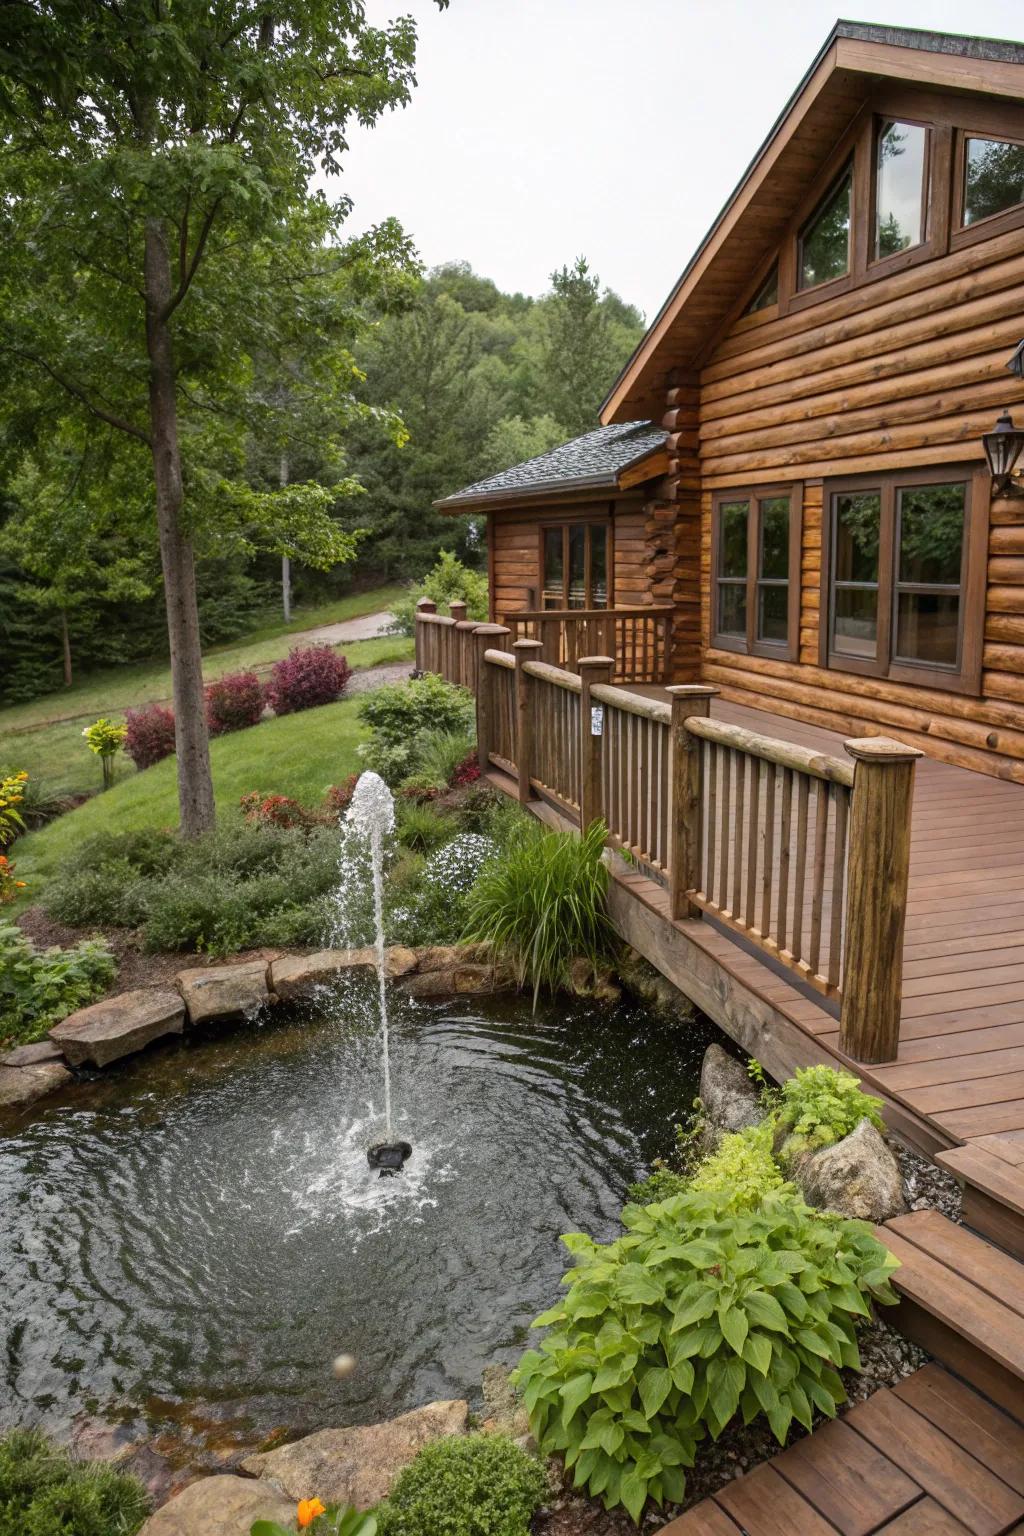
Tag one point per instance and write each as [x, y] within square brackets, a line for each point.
[596, 461]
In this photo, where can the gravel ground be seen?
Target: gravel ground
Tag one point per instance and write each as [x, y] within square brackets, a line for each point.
[926, 1185]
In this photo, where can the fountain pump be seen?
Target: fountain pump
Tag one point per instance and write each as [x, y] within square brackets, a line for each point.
[389, 1157]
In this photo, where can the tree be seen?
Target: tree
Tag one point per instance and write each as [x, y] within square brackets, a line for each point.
[159, 236]
[586, 344]
[513, 440]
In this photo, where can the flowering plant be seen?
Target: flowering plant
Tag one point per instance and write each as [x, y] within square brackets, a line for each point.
[272, 810]
[9, 887]
[106, 739]
[312, 1515]
[12, 793]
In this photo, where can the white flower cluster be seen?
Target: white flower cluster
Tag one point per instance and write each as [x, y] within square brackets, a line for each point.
[457, 864]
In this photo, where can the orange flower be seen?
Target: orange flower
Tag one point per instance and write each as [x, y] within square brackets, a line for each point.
[308, 1511]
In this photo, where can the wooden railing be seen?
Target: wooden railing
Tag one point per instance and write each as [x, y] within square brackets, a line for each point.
[639, 639]
[803, 856]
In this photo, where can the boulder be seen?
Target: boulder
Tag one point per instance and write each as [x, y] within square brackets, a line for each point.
[731, 1100]
[358, 1465]
[473, 978]
[586, 981]
[504, 1410]
[431, 983]
[858, 1176]
[297, 976]
[23, 1085]
[220, 1506]
[32, 1055]
[119, 1026]
[224, 991]
[439, 957]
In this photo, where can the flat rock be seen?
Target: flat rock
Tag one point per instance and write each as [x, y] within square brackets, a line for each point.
[22, 1085]
[504, 1410]
[32, 1055]
[359, 1465]
[439, 957]
[119, 1026]
[730, 1098]
[297, 976]
[224, 991]
[220, 1506]
[858, 1176]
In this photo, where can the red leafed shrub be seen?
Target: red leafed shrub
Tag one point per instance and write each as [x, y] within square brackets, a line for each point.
[339, 797]
[272, 810]
[467, 772]
[234, 702]
[308, 676]
[150, 734]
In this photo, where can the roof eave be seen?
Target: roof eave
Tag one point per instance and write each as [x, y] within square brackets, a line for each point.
[608, 481]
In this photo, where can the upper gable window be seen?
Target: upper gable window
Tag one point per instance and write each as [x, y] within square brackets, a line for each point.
[767, 294]
[901, 187]
[993, 177]
[824, 246]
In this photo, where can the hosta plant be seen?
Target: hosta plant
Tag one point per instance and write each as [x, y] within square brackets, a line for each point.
[698, 1314]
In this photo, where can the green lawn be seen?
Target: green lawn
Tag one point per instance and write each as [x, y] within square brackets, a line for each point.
[298, 755]
[44, 736]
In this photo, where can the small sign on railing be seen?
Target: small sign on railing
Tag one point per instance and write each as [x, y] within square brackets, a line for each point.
[597, 719]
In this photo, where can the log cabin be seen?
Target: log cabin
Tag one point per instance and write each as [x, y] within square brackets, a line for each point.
[789, 473]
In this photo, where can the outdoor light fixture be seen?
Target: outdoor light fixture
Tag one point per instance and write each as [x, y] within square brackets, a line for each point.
[1003, 448]
[1016, 363]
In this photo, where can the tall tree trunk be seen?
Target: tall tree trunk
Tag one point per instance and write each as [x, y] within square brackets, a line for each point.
[286, 565]
[66, 643]
[195, 783]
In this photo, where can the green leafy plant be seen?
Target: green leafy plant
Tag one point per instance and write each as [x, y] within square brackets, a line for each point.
[543, 903]
[400, 714]
[661, 1184]
[448, 580]
[438, 755]
[39, 987]
[321, 1520]
[45, 1492]
[465, 1485]
[742, 1168]
[700, 1312]
[819, 1106]
[421, 828]
[12, 806]
[106, 738]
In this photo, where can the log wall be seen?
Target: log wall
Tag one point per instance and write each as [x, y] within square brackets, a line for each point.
[906, 372]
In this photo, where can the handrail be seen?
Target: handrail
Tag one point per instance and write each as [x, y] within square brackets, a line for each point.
[632, 703]
[639, 612]
[500, 659]
[786, 754]
[556, 675]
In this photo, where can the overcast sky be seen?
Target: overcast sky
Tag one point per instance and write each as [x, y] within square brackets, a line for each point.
[616, 129]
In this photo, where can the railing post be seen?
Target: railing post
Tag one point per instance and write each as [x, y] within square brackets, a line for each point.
[420, 631]
[877, 877]
[524, 651]
[593, 669]
[686, 808]
[485, 637]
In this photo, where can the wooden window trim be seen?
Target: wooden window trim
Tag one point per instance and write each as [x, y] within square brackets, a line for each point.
[592, 519]
[789, 649]
[995, 223]
[971, 627]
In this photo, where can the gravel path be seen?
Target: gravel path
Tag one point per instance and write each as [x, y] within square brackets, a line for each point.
[368, 627]
[366, 678]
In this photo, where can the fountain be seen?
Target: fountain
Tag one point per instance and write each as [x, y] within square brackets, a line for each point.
[371, 816]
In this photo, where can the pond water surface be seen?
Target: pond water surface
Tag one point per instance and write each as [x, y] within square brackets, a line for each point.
[188, 1242]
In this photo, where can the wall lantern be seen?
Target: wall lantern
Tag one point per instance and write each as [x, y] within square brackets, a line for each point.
[1003, 448]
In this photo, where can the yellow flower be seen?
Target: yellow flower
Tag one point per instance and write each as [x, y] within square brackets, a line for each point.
[308, 1511]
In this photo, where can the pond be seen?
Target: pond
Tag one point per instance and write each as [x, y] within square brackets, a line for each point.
[190, 1240]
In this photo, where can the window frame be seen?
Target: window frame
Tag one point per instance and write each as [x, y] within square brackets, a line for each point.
[584, 520]
[848, 169]
[966, 677]
[993, 223]
[933, 153]
[750, 645]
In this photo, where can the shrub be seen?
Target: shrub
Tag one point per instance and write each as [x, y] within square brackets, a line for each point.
[742, 1168]
[12, 806]
[449, 579]
[308, 676]
[150, 734]
[272, 810]
[401, 714]
[543, 903]
[437, 757]
[339, 797]
[233, 703]
[39, 987]
[698, 1313]
[819, 1106]
[106, 882]
[105, 738]
[44, 1492]
[465, 1485]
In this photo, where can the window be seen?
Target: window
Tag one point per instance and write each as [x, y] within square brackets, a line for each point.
[767, 294]
[824, 245]
[901, 187]
[993, 177]
[904, 599]
[574, 565]
[757, 565]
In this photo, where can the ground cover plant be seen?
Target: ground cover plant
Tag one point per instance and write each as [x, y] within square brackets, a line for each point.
[39, 987]
[45, 1492]
[465, 1485]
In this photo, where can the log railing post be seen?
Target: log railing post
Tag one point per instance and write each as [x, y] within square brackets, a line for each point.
[593, 669]
[524, 651]
[420, 629]
[464, 630]
[686, 810]
[877, 878]
[485, 637]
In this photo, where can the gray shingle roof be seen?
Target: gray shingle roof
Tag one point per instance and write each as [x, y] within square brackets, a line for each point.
[964, 45]
[594, 460]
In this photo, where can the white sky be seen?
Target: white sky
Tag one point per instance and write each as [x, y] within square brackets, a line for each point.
[616, 129]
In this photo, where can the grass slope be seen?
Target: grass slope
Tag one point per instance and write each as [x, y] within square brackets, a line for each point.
[298, 755]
